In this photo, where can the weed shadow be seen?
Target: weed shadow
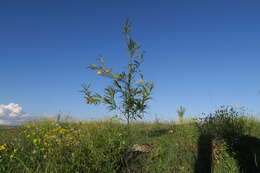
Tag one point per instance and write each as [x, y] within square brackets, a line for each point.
[247, 154]
[245, 149]
[204, 159]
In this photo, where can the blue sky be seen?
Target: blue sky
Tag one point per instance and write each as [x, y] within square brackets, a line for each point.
[199, 54]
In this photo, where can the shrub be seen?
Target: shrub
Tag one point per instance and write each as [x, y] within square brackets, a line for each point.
[226, 122]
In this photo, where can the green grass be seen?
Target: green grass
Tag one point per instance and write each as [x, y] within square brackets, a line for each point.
[98, 147]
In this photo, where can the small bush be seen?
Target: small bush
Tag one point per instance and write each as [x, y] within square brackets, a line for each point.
[226, 122]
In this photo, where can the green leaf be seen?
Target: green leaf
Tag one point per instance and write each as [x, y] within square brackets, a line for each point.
[94, 67]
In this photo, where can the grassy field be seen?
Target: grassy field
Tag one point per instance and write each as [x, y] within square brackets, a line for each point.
[110, 146]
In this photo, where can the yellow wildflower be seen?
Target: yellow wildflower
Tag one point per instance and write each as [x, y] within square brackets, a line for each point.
[3, 147]
[62, 131]
[37, 140]
[171, 131]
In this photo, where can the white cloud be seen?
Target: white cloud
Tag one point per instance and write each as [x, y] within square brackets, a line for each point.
[11, 110]
[11, 114]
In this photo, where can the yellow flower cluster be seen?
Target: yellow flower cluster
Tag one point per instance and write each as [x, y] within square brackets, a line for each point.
[55, 136]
